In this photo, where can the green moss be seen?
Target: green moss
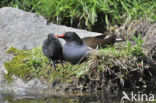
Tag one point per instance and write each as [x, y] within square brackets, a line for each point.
[12, 50]
[27, 64]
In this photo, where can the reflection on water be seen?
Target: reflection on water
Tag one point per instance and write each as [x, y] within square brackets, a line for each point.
[95, 97]
[85, 98]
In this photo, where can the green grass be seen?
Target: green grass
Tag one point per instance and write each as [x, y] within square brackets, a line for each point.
[135, 50]
[79, 13]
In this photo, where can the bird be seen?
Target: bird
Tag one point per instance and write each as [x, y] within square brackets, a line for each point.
[52, 48]
[74, 50]
[99, 36]
[98, 41]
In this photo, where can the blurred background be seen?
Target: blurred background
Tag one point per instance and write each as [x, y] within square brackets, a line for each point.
[93, 15]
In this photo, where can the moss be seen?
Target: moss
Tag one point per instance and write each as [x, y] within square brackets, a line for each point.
[12, 50]
[14, 67]
[27, 64]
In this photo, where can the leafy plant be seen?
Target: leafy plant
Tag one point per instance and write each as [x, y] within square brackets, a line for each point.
[137, 49]
[128, 46]
[80, 13]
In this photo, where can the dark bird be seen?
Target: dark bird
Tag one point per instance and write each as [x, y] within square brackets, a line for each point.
[98, 41]
[52, 48]
[74, 50]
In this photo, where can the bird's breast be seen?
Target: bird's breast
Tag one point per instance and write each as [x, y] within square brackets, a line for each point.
[74, 53]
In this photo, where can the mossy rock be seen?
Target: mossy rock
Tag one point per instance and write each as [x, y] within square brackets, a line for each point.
[25, 63]
[28, 64]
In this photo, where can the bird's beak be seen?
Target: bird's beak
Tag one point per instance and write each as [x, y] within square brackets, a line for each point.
[61, 36]
[55, 36]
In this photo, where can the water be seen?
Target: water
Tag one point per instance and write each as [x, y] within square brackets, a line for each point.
[94, 97]
[81, 97]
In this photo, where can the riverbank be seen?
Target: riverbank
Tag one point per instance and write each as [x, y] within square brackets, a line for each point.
[126, 66]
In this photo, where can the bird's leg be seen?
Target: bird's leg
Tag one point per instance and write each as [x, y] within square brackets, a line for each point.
[49, 61]
[97, 47]
[61, 63]
[53, 64]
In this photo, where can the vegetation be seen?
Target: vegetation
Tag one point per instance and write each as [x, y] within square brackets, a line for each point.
[137, 49]
[25, 63]
[28, 64]
[90, 14]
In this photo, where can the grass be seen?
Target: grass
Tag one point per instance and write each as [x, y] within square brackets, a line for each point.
[80, 13]
[135, 50]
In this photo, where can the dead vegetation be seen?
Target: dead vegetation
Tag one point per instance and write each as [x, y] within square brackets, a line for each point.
[120, 73]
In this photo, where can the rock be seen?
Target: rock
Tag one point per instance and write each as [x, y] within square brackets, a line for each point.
[150, 37]
[151, 60]
[25, 30]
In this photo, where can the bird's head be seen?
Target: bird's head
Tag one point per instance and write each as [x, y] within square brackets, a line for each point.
[70, 36]
[52, 36]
